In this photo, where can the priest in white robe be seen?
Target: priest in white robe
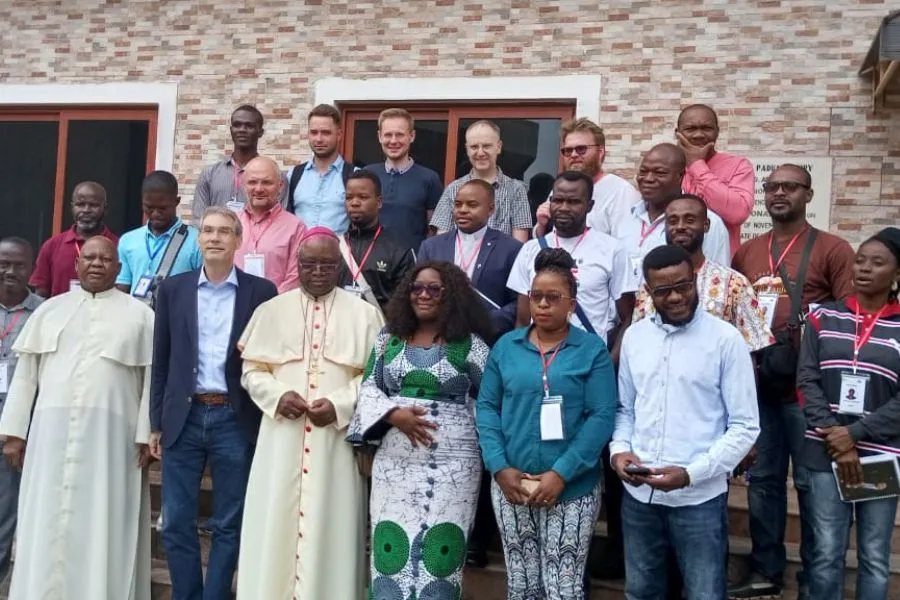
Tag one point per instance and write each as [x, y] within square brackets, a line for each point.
[304, 353]
[84, 504]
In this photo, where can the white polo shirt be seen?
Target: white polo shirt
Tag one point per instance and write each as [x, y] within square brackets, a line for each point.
[639, 236]
[602, 271]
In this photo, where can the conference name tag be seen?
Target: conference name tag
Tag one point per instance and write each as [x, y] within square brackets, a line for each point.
[354, 289]
[853, 394]
[142, 289]
[4, 377]
[768, 301]
[255, 264]
[74, 284]
[551, 419]
[235, 206]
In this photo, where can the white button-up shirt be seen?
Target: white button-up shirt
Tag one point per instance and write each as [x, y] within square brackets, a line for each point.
[639, 236]
[687, 398]
[470, 244]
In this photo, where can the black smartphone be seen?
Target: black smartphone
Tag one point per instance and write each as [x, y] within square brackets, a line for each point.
[633, 469]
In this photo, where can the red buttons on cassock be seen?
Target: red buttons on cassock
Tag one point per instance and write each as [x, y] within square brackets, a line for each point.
[316, 325]
[308, 429]
[305, 471]
[306, 450]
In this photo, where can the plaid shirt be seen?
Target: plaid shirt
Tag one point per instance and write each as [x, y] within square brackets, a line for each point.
[511, 208]
[26, 308]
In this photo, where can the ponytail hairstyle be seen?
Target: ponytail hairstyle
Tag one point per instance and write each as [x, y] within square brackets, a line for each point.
[557, 260]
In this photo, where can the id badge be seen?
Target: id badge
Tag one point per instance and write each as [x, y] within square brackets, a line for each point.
[853, 393]
[354, 289]
[235, 206]
[142, 289]
[768, 301]
[634, 261]
[4, 377]
[74, 284]
[551, 419]
[255, 264]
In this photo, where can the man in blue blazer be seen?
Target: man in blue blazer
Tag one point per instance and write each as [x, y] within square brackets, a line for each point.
[199, 412]
[486, 255]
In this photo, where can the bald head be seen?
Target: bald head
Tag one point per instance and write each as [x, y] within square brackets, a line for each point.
[670, 154]
[262, 183]
[660, 173]
[98, 265]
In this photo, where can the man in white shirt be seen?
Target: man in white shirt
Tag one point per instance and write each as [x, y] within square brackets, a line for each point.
[687, 416]
[583, 148]
[604, 277]
[659, 180]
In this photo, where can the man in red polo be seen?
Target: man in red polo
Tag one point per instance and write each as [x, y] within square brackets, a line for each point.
[54, 273]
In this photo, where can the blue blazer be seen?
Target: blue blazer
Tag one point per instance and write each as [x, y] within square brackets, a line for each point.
[495, 261]
[173, 380]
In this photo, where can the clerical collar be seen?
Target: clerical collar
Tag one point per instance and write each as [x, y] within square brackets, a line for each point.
[104, 294]
[474, 237]
[320, 299]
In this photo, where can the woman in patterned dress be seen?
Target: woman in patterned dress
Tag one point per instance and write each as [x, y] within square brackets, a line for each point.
[546, 408]
[416, 405]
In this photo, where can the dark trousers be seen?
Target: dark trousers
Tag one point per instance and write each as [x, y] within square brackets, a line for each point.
[613, 489]
[485, 527]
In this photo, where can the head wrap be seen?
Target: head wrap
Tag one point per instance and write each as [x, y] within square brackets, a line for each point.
[890, 237]
[318, 231]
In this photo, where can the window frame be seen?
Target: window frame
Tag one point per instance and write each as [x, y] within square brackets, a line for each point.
[453, 112]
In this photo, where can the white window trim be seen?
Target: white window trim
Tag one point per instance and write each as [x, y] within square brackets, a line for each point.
[163, 95]
[584, 90]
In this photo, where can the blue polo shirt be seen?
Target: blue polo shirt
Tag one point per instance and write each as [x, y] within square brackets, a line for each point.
[319, 199]
[140, 252]
[407, 197]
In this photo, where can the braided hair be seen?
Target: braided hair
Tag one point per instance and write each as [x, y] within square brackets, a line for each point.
[558, 261]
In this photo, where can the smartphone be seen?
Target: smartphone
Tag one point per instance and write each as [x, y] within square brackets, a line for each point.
[633, 469]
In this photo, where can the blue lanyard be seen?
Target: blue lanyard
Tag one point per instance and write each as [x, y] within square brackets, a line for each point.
[159, 245]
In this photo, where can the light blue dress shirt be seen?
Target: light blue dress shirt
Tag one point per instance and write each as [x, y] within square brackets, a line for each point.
[319, 199]
[215, 316]
[141, 251]
[687, 398]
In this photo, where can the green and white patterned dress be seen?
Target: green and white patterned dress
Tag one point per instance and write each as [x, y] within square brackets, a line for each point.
[423, 499]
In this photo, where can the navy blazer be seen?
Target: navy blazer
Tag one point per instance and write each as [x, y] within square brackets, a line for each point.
[173, 381]
[495, 261]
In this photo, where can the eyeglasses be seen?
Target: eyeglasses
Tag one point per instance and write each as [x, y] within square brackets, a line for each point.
[680, 288]
[789, 187]
[326, 268]
[552, 298]
[579, 150]
[432, 290]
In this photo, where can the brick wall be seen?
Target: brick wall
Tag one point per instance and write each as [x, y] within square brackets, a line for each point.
[782, 73]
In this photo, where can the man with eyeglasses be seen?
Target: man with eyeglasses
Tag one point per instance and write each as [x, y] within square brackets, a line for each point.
[724, 181]
[511, 209]
[678, 438]
[199, 411]
[304, 355]
[793, 259]
[583, 148]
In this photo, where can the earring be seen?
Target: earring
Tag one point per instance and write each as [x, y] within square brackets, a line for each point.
[895, 286]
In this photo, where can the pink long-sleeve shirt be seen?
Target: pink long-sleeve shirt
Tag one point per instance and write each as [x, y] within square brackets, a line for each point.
[726, 182]
[276, 235]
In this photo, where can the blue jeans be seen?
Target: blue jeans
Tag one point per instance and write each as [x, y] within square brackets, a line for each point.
[698, 535]
[210, 433]
[782, 427]
[830, 519]
[9, 504]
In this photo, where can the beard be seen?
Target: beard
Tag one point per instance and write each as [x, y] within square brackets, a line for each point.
[590, 168]
[679, 322]
[692, 246]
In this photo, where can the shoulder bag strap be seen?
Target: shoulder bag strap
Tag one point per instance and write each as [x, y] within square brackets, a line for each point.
[172, 250]
[347, 171]
[296, 174]
[795, 290]
[579, 312]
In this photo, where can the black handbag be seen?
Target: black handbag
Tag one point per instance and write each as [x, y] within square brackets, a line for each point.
[778, 362]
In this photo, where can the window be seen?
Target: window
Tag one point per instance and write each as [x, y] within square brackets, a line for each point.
[45, 153]
[530, 134]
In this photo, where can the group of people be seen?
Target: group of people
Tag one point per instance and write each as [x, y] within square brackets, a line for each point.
[483, 370]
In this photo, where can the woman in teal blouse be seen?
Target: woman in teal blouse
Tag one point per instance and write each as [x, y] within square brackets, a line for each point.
[545, 410]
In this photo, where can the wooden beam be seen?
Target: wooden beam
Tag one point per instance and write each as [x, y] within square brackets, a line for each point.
[886, 76]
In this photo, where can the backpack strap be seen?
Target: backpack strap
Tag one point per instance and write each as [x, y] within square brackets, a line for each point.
[795, 290]
[579, 312]
[296, 174]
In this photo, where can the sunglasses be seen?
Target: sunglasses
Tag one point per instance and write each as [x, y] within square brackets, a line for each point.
[552, 298]
[579, 150]
[325, 268]
[432, 290]
[681, 289]
[770, 187]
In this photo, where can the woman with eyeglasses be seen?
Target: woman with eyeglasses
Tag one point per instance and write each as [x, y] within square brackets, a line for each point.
[416, 406]
[545, 410]
[848, 379]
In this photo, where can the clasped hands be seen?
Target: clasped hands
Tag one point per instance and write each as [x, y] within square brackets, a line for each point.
[842, 448]
[665, 479]
[550, 486]
[292, 406]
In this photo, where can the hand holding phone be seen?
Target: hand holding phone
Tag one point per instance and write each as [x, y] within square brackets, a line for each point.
[633, 469]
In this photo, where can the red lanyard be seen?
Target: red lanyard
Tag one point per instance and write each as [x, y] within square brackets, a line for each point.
[861, 340]
[646, 231]
[578, 243]
[10, 326]
[262, 232]
[463, 263]
[773, 266]
[546, 366]
[77, 253]
[362, 263]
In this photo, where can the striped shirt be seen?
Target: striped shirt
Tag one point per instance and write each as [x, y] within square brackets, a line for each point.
[221, 184]
[511, 208]
[826, 354]
[9, 319]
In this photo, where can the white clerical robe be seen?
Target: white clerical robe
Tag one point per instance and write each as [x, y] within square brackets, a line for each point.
[84, 505]
[303, 533]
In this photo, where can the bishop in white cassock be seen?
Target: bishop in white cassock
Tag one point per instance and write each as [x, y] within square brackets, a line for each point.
[304, 352]
[84, 505]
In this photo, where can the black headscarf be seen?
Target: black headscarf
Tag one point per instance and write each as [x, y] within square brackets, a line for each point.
[890, 237]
